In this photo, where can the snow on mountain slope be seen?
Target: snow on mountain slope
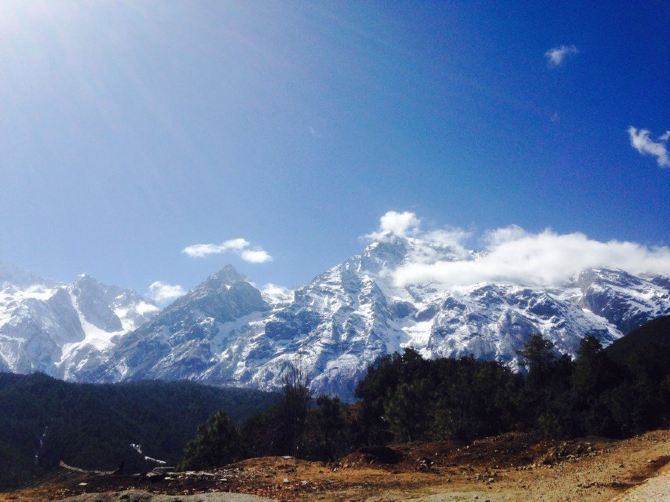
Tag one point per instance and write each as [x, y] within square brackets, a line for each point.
[52, 327]
[186, 338]
[351, 315]
[623, 299]
[226, 332]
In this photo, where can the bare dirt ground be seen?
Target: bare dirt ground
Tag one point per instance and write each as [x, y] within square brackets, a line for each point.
[502, 468]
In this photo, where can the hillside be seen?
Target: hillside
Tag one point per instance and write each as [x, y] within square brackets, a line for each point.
[650, 341]
[509, 467]
[44, 421]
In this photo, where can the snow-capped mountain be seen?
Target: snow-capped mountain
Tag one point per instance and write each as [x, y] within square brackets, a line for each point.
[56, 328]
[188, 337]
[227, 332]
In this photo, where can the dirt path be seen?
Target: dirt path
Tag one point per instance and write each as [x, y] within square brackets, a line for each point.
[656, 489]
[610, 471]
[142, 496]
[503, 468]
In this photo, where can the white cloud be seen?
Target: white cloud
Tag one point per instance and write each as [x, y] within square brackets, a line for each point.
[448, 237]
[255, 256]
[276, 294]
[640, 140]
[395, 223]
[501, 235]
[203, 250]
[513, 255]
[239, 246]
[557, 55]
[408, 225]
[508, 255]
[162, 292]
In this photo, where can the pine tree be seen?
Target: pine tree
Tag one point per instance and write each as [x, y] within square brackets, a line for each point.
[326, 435]
[217, 443]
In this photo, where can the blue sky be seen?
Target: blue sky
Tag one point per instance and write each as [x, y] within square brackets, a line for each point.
[131, 130]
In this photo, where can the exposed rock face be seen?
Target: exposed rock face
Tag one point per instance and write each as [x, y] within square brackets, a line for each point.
[224, 332]
[227, 332]
[186, 338]
[55, 328]
[623, 299]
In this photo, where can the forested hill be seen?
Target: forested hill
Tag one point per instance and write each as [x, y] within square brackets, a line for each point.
[44, 420]
[650, 342]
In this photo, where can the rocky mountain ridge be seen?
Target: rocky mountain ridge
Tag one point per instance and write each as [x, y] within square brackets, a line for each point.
[56, 328]
[225, 332]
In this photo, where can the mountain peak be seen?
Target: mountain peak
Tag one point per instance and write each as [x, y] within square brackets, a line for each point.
[85, 278]
[86, 285]
[68, 324]
[387, 252]
[225, 277]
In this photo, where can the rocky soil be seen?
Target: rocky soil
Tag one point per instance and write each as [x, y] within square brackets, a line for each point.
[502, 468]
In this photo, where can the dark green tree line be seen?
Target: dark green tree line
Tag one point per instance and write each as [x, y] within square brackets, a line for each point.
[403, 398]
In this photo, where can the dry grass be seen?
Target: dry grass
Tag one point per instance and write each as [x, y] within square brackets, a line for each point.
[505, 467]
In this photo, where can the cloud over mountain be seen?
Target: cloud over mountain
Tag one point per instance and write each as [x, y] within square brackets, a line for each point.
[239, 246]
[162, 292]
[512, 254]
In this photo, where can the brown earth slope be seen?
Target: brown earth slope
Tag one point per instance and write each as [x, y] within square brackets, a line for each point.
[502, 468]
